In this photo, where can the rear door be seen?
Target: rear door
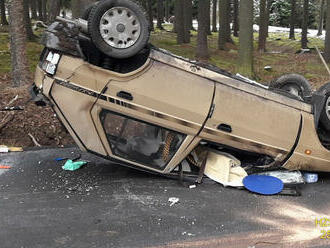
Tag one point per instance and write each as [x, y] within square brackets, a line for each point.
[149, 117]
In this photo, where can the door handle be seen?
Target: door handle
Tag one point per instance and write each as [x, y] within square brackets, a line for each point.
[125, 95]
[225, 128]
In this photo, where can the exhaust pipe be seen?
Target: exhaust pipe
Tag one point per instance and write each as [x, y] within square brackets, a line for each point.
[80, 23]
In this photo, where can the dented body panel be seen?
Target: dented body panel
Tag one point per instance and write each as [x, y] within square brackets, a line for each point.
[152, 117]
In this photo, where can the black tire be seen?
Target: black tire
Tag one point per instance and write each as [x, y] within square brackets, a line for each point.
[294, 84]
[94, 28]
[88, 10]
[325, 117]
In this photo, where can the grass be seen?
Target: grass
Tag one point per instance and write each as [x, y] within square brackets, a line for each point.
[281, 55]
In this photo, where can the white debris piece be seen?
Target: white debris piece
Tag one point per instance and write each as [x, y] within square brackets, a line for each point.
[173, 200]
[225, 169]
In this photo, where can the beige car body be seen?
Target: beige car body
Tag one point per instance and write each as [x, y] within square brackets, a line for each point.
[182, 96]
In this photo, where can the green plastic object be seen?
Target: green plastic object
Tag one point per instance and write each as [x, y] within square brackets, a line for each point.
[72, 166]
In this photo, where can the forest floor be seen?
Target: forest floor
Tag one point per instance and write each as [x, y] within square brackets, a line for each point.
[42, 124]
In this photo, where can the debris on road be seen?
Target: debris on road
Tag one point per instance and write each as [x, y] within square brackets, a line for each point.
[5, 149]
[225, 169]
[287, 177]
[264, 185]
[5, 167]
[173, 200]
[311, 177]
[72, 166]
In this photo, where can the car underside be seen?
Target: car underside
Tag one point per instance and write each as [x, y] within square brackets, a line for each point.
[155, 111]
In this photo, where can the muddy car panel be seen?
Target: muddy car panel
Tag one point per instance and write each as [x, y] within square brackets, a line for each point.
[154, 116]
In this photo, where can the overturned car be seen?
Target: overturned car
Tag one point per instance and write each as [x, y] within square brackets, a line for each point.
[151, 110]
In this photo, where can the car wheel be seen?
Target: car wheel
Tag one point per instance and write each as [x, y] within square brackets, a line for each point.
[119, 28]
[294, 84]
[325, 115]
[88, 10]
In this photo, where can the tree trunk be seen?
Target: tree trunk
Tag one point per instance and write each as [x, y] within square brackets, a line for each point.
[160, 14]
[190, 14]
[235, 18]
[320, 29]
[19, 63]
[179, 21]
[167, 10]
[262, 26]
[182, 21]
[305, 25]
[214, 15]
[202, 48]
[33, 5]
[54, 10]
[44, 10]
[3, 13]
[209, 17]
[187, 16]
[292, 19]
[27, 21]
[245, 52]
[39, 5]
[150, 15]
[269, 6]
[327, 36]
[224, 25]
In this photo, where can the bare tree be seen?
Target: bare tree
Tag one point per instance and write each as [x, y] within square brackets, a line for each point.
[44, 10]
[235, 18]
[209, 17]
[182, 23]
[321, 17]
[327, 36]
[214, 15]
[39, 7]
[33, 6]
[167, 10]
[292, 19]
[160, 14]
[3, 13]
[54, 10]
[245, 52]
[27, 20]
[262, 26]
[19, 63]
[224, 25]
[202, 47]
[150, 14]
[269, 6]
[304, 26]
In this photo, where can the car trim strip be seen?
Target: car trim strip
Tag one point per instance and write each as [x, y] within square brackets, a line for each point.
[127, 104]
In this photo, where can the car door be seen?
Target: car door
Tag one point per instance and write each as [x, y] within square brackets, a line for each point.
[148, 117]
[251, 118]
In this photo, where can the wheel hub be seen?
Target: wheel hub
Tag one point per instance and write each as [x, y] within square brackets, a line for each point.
[120, 27]
[327, 107]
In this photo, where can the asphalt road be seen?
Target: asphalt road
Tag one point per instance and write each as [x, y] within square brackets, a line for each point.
[106, 205]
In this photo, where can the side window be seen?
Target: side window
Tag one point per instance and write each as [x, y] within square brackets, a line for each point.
[139, 141]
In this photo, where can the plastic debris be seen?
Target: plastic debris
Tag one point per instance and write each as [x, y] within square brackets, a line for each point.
[268, 68]
[264, 185]
[5, 167]
[225, 169]
[72, 166]
[287, 177]
[5, 149]
[192, 186]
[173, 200]
[311, 177]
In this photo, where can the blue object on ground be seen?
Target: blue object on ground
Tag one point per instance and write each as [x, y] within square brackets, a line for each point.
[265, 185]
[60, 159]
